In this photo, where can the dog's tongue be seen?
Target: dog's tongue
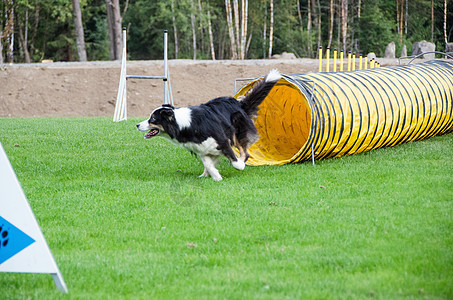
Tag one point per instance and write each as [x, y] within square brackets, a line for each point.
[151, 133]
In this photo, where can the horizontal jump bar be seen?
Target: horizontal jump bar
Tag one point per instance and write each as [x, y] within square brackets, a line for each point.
[145, 77]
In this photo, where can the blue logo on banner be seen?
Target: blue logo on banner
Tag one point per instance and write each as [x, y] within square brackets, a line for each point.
[12, 240]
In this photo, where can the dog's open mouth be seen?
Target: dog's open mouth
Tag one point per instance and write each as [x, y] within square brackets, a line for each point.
[151, 133]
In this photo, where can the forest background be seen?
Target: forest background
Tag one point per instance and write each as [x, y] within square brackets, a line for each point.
[61, 30]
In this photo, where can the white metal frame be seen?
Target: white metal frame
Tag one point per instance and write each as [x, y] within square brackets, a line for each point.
[121, 99]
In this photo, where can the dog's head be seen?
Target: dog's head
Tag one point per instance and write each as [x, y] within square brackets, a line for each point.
[159, 122]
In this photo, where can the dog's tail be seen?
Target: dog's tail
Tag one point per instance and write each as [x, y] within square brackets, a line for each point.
[259, 92]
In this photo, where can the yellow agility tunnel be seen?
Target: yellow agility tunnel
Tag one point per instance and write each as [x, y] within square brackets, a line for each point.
[334, 114]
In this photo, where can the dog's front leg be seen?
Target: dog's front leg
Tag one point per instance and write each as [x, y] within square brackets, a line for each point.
[209, 165]
[237, 163]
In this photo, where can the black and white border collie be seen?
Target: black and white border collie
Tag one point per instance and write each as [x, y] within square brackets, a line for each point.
[210, 129]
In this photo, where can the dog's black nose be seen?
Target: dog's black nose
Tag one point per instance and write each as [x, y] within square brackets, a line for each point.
[138, 125]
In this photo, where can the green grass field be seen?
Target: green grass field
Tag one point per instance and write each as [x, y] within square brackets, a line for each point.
[129, 218]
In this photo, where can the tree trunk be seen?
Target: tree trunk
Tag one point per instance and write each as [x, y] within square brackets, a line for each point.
[194, 34]
[243, 38]
[211, 38]
[23, 38]
[319, 24]
[405, 18]
[118, 29]
[309, 26]
[35, 30]
[111, 29]
[238, 31]
[432, 20]
[126, 5]
[236, 26]
[299, 16]
[344, 23]
[222, 42]
[175, 28]
[401, 20]
[230, 29]
[27, 54]
[398, 16]
[10, 35]
[200, 11]
[265, 32]
[244, 22]
[314, 15]
[79, 31]
[248, 44]
[445, 25]
[1, 46]
[271, 29]
[359, 8]
[1, 36]
[332, 13]
[115, 30]
[338, 15]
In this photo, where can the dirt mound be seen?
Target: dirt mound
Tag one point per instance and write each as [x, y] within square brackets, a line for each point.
[90, 89]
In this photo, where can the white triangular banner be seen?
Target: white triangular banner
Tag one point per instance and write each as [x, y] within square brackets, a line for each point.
[16, 214]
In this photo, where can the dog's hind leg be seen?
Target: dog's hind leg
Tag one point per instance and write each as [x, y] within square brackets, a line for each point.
[209, 166]
[205, 173]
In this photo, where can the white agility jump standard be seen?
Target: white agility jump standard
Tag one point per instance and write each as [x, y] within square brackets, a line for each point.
[121, 99]
[23, 248]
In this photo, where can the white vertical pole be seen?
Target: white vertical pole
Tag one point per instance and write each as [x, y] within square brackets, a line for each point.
[166, 100]
[123, 115]
[121, 100]
[125, 74]
[120, 107]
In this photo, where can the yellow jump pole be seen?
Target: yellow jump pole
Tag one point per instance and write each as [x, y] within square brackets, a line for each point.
[327, 59]
[341, 60]
[334, 60]
[349, 61]
[372, 64]
[320, 58]
[353, 61]
[360, 62]
[366, 63]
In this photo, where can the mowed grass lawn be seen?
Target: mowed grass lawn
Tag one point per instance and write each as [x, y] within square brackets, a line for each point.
[128, 218]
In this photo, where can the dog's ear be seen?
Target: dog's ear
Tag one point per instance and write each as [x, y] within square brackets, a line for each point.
[168, 106]
[168, 114]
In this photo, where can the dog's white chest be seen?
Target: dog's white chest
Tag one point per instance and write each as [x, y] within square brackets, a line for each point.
[207, 147]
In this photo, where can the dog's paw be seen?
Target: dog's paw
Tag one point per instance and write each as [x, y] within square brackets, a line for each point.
[238, 164]
[217, 178]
